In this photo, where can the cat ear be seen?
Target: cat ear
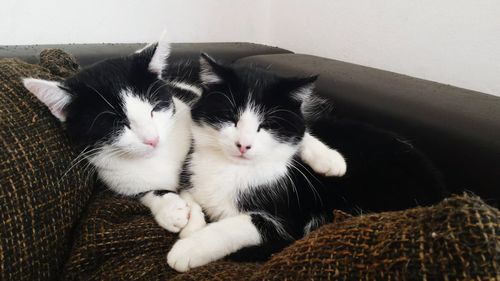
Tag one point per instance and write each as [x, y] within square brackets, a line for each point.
[158, 54]
[313, 106]
[158, 62]
[302, 88]
[51, 94]
[210, 70]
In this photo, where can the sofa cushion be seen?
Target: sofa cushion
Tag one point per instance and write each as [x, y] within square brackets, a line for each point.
[456, 239]
[118, 239]
[41, 198]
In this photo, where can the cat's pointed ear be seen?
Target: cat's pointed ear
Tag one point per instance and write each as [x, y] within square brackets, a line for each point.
[302, 88]
[210, 71]
[158, 62]
[312, 105]
[157, 55]
[51, 94]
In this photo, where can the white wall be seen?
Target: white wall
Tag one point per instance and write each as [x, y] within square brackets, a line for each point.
[455, 42]
[450, 41]
[128, 21]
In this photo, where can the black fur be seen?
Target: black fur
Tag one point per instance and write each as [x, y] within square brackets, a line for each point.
[271, 94]
[95, 113]
[384, 172]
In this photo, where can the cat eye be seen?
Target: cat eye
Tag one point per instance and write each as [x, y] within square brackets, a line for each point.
[121, 123]
[258, 128]
[152, 112]
[158, 106]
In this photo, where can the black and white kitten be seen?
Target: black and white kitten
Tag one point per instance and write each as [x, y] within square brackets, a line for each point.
[132, 128]
[245, 171]
[125, 114]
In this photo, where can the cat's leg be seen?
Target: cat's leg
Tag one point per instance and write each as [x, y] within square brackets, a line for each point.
[196, 216]
[214, 242]
[169, 209]
[321, 158]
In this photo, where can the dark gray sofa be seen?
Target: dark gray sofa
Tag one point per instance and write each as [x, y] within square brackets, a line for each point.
[70, 229]
[459, 129]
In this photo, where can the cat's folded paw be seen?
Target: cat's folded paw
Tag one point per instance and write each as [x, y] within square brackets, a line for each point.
[196, 222]
[329, 163]
[173, 213]
[188, 253]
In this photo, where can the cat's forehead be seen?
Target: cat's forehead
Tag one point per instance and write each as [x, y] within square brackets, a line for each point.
[136, 106]
[251, 115]
[112, 79]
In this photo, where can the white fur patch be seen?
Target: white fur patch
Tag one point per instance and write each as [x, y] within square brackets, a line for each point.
[169, 210]
[196, 216]
[213, 242]
[322, 159]
[219, 174]
[144, 48]
[313, 224]
[303, 93]
[207, 74]
[187, 87]
[129, 174]
[138, 113]
[159, 60]
[278, 226]
[49, 93]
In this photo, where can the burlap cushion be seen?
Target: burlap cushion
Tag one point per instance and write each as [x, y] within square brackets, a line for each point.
[39, 206]
[119, 240]
[457, 239]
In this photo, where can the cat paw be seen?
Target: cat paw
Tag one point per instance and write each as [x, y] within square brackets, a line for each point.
[329, 163]
[173, 213]
[195, 223]
[188, 253]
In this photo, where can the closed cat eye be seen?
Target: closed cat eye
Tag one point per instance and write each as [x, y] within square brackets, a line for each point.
[123, 123]
[157, 107]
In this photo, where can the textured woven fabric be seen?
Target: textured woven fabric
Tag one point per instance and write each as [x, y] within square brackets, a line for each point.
[39, 206]
[117, 238]
[458, 239]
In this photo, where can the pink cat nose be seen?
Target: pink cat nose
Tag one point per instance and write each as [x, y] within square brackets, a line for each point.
[243, 148]
[152, 142]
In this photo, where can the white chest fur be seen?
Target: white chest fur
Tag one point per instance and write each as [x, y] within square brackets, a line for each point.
[217, 182]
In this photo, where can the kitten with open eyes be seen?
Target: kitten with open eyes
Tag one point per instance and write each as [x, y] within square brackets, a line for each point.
[129, 117]
[245, 171]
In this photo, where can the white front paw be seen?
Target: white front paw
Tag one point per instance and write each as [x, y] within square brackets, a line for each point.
[188, 253]
[195, 223]
[329, 163]
[173, 213]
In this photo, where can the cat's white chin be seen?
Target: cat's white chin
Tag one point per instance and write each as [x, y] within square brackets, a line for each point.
[138, 152]
[242, 159]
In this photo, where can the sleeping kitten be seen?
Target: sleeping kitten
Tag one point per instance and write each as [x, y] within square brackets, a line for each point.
[126, 115]
[131, 127]
[245, 172]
